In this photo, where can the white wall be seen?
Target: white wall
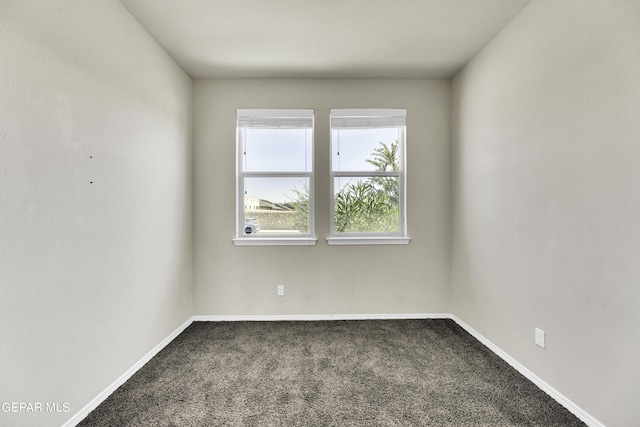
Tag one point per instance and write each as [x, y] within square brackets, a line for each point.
[321, 279]
[546, 187]
[92, 275]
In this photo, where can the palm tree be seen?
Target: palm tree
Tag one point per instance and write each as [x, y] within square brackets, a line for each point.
[385, 158]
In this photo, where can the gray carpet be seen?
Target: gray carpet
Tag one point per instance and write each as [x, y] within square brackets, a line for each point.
[334, 373]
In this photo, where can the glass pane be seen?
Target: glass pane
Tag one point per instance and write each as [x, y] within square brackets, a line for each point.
[276, 206]
[366, 205]
[277, 150]
[365, 149]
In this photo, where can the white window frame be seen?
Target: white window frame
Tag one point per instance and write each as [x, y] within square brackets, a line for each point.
[371, 118]
[273, 119]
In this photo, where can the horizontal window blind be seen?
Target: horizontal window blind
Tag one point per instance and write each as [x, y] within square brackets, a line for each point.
[275, 118]
[369, 118]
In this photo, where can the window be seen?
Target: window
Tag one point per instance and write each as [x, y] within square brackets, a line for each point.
[368, 176]
[275, 177]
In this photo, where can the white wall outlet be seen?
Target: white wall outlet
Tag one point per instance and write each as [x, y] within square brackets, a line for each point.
[540, 339]
[280, 290]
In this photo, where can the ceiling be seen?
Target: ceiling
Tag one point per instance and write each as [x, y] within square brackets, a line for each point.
[323, 38]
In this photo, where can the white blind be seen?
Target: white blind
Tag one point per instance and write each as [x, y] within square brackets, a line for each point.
[275, 118]
[368, 118]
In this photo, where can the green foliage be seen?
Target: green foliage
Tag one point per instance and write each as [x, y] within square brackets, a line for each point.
[367, 205]
[371, 205]
[385, 158]
[300, 204]
[361, 207]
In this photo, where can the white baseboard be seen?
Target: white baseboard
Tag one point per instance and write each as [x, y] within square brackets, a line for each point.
[317, 317]
[559, 397]
[81, 415]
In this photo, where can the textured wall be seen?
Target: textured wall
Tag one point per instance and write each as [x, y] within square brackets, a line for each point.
[95, 201]
[321, 279]
[547, 198]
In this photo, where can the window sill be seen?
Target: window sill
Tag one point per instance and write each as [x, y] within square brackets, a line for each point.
[275, 241]
[368, 240]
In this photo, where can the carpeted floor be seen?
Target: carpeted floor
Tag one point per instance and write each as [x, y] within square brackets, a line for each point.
[333, 373]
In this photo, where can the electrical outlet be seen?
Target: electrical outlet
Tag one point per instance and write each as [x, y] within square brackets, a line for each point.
[540, 338]
[280, 290]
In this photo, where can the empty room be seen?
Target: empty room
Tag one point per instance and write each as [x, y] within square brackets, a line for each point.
[296, 212]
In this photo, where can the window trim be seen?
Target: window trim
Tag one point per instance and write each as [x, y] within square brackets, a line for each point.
[399, 237]
[368, 240]
[263, 117]
[275, 241]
